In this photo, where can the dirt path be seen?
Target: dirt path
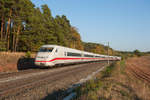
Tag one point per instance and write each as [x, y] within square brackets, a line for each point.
[22, 86]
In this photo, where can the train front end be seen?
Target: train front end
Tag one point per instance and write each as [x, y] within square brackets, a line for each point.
[45, 56]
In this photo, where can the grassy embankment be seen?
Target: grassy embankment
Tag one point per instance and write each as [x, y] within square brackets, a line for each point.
[114, 83]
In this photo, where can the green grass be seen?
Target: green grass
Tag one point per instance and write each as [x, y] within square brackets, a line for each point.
[108, 71]
[122, 67]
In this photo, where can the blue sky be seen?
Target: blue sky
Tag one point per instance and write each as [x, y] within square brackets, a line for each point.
[124, 23]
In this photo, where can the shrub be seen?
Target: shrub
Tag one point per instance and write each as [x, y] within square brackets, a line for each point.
[108, 71]
[137, 53]
[28, 54]
[92, 96]
[2, 46]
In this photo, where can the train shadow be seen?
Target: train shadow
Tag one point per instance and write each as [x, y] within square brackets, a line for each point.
[55, 95]
[26, 63]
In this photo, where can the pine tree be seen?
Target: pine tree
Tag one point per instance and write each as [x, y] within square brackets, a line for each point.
[50, 37]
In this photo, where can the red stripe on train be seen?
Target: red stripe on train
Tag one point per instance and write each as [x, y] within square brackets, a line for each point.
[67, 59]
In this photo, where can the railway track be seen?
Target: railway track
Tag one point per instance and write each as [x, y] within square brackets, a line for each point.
[22, 85]
[13, 74]
[32, 84]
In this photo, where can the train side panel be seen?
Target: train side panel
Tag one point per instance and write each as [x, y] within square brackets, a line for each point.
[64, 55]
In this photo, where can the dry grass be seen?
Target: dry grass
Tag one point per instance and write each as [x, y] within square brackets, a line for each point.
[9, 60]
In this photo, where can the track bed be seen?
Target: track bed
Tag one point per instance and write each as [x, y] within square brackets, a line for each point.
[33, 84]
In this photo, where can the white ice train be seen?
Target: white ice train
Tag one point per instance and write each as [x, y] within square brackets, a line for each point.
[50, 55]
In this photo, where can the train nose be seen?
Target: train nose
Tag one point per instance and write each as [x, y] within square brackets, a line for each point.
[41, 63]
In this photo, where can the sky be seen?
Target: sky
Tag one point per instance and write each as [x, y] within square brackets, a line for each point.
[125, 24]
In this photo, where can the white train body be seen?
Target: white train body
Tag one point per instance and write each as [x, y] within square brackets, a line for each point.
[50, 55]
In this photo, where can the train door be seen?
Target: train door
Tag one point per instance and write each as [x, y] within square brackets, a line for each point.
[59, 55]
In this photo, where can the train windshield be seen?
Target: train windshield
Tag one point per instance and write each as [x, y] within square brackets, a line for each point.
[44, 49]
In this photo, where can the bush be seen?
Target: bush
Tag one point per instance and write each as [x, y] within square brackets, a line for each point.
[92, 96]
[28, 54]
[108, 71]
[2, 46]
[138, 53]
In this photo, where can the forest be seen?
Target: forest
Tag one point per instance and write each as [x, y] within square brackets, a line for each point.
[24, 27]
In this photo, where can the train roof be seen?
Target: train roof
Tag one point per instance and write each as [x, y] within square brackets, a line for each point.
[49, 45]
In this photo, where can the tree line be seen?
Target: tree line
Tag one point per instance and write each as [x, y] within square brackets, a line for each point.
[24, 27]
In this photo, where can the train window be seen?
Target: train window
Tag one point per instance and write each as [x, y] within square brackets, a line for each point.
[56, 50]
[100, 56]
[65, 54]
[97, 56]
[44, 49]
[73, 54]
[86, 55]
